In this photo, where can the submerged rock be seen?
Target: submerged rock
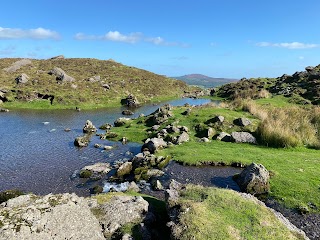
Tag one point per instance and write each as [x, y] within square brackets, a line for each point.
[89, 127]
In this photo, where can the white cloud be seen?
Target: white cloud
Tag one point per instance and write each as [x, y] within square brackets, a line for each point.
[37, 33]
[292, 45]
[114, 36]
[132, 38]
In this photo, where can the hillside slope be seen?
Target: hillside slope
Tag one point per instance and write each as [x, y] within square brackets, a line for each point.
[204, 81]
[301, 87]
[82, 82]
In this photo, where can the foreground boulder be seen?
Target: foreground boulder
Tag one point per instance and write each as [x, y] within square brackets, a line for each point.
[254, 179]
[49, 217]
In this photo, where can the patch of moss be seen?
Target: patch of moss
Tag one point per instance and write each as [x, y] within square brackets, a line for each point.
[85, 174]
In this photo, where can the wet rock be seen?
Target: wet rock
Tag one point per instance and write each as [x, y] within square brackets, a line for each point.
[60, 75]
[4, 110]
[98, 168]
[23, 78]
[67, 129]
[223, 136]
[96, 145]
[242, 122]
[154, 173]
[106, 126]
[156, 185]
[121, 121]
[124, 169]
[114, 213]
[127, 112]
[82, 141]
[124, 140]
[89, 127]
[243, 137]
[107, 147]
[254, 179]
[154, 144]
[131, 101]
[133, 187]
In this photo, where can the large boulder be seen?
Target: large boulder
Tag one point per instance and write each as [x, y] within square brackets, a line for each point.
[124, 169]
[95, 171]
[243, 137]
[22, 78]
[63, 216]
[184, 137]
[223, 136]
[89, 127]
[154, 144]
[17, 65]
[60, 75]
[254, 179]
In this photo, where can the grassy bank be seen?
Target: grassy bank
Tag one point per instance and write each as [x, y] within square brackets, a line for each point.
[294, 170]
[212, 213]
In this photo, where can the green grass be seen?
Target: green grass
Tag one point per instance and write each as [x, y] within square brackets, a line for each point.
[223, 214]
[295, 171]
[295, 180]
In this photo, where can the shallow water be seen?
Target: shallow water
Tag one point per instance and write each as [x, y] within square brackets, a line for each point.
[37, 155]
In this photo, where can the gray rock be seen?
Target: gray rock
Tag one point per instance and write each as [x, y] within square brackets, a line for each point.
[172, 194]
[127, 112]
[121, 121]
[155, 127]
[89, 127]
[57, 57]
[217, 119]
[94, 79]
[184, 137]
[121, 210]
[154, 144]
[131, 101]
[242, 122]
[124, 169]
[156, 185]
[184, 129]
[60, 75]
[210, 132]
[243, 137]
[23, 78]
[99, 168]
[106, 86]
[172, 129]
[133, 187]
[155, 173]
[225, 137]
[63, 216]
[204, 139]
[254, 179]
[82, 141]
[4, 110]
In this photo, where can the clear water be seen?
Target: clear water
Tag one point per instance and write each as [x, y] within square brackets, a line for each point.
[37, 155]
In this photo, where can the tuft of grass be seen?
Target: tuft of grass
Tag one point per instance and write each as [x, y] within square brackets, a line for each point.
[224, 214]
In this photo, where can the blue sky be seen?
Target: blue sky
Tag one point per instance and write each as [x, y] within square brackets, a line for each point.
[225, 38]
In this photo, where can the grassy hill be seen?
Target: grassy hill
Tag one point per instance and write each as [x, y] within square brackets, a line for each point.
[204, 81]
[93, 83]
[301, 87]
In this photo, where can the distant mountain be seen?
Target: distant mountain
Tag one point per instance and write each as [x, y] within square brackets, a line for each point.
[204, 81]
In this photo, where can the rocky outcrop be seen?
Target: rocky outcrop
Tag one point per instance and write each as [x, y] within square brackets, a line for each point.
[60, 75]
[161, 115]
[63, 216]
[89, 127]
[254, 179]
[243, 137]
[17, 65]
[23, 78]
